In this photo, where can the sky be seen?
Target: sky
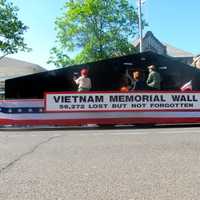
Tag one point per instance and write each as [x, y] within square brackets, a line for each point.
[175, 22]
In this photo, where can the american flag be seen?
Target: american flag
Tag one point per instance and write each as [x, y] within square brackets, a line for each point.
[187, 86]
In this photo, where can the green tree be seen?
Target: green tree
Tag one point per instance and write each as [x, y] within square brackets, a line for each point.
[11, 30]
[96, 29]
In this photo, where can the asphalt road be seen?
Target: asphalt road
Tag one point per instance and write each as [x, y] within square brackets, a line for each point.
[98, 164]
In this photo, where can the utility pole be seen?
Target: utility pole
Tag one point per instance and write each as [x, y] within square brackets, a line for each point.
[140, 23]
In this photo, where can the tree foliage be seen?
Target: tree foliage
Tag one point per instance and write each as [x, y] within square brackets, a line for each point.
[11, 30]
[96, 29]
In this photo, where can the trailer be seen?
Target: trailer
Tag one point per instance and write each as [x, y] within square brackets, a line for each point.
[51, 98]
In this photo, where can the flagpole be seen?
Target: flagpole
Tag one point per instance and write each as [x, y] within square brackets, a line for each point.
[140, 23]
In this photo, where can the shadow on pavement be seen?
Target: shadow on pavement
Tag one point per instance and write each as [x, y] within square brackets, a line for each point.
[94, 127]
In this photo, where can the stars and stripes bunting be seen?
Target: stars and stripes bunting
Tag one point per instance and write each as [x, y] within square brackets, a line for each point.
[32, 112]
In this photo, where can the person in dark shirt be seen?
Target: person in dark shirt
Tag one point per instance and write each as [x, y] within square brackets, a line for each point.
[138, 83]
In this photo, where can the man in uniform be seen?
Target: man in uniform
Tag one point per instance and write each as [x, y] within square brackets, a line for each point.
[153, 80]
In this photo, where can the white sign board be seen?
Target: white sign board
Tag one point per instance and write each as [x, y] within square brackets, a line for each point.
[131, 101]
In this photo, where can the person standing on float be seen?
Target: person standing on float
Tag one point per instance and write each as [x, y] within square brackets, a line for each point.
[153, 80]
[83, 82]
[138, 83]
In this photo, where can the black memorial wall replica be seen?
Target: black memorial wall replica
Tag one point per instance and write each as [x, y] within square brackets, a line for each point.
[106, 75]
